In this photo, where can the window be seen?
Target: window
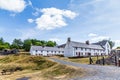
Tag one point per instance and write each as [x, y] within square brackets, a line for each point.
[76, 53]
[90, 49]
[86, 54]
[41, 51]
[76, 48]
[36, 50]
[81, 54]
[81, 48]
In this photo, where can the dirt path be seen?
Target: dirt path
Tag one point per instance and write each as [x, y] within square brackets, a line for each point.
[95, 72]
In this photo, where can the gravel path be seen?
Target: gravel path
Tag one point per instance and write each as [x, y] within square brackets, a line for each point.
[96, 72]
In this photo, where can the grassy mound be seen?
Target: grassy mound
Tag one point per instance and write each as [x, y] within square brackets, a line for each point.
[26, 62]
[63, 72]
[37, 67]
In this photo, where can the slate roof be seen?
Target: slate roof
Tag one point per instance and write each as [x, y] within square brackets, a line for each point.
[84, 45]
[40, 48]
[61, 46]
[102, 43]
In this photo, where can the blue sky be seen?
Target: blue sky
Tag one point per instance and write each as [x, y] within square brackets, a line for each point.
[56, 20]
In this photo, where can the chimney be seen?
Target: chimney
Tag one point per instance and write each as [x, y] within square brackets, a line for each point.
[87, 42]
[68, 40]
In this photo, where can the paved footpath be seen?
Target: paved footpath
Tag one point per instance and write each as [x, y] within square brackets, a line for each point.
[95, 72]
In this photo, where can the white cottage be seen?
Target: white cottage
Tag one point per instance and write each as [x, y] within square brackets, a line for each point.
[77, 49]
[46, 51]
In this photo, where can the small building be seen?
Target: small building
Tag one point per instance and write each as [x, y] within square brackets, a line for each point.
[9, 51]
[78, 49]
[46, 51]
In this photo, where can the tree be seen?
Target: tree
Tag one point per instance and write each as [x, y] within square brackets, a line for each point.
[44, 43]
[17, 43]
[38, 44]
[112, 44]
[1, 40]
[4, 45]
[51, 44]
[118, 47]
[27, 44]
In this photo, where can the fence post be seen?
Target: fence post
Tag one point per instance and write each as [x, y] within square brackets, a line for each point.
[119, 62]
[115, 60]
[103, 60]
[90, 60]
[97, 57]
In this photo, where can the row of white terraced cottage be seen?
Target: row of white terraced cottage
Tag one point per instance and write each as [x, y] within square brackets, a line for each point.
[72, 49]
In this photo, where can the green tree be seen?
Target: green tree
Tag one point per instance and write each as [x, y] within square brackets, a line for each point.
[4, 45]
[17, 43]
[51, 44]
[27, 44]
[118, 47]
[112, 44]
[44, 43]
[1, 40]
[38, 44]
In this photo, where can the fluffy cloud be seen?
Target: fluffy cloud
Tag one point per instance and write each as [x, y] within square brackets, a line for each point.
[99, 38]
[96, 16]
[117, 43]
[30, 20]
[13, 5]
[96, 37]
[53, 18]
[92, 35]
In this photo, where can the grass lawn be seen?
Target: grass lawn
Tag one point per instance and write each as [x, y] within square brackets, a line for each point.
[80, 60]
[37, 68]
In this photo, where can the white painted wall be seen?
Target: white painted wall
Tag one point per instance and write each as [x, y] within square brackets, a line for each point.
[107, 48]
[69, 50]
[46, 53]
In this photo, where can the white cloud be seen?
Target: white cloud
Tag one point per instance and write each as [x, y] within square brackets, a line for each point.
[96, 37]
[30, 20]
[117, 43]
[30, 3]
[54, 39]
[99, 38]
[13, 14]
[13, 5]
[35, 13]
[28, 33]
[92, 35]
[53, 18]
[96, 16]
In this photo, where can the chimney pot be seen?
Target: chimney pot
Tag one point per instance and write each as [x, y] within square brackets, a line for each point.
[87, 42]
[69, 39]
